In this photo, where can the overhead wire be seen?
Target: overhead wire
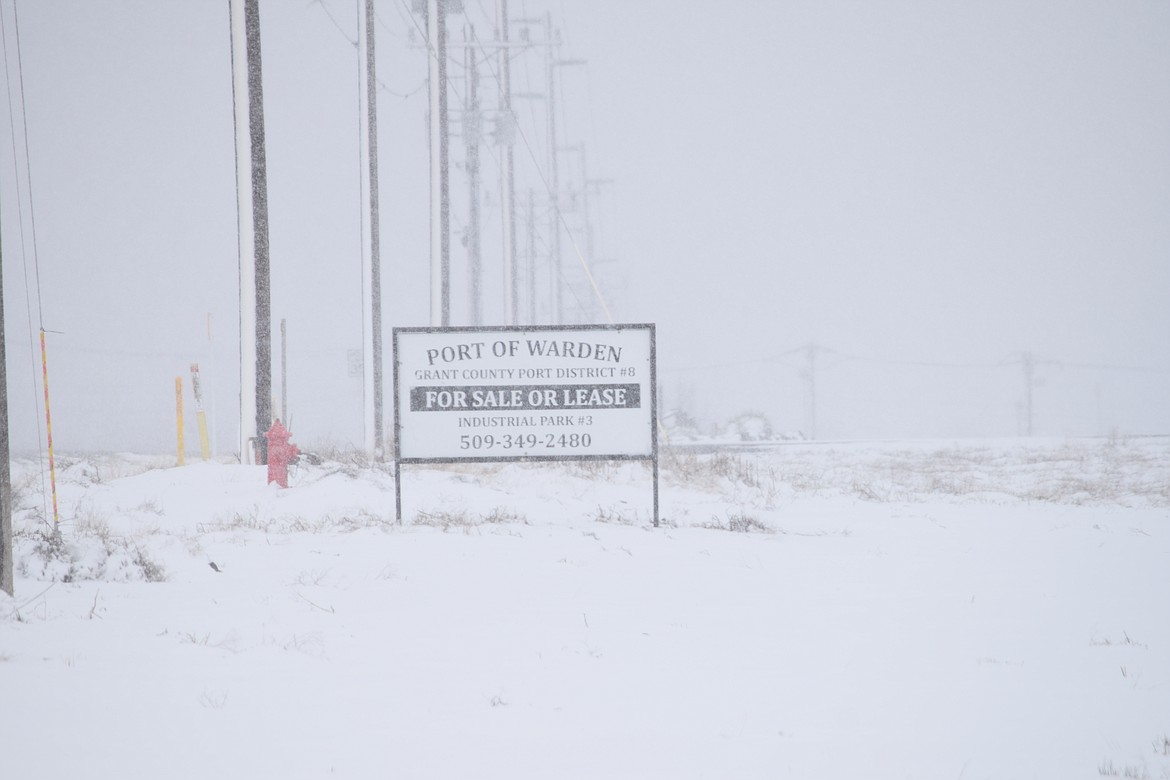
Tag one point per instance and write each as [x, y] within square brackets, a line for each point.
[557, 212]
[352, 41]
[32, 216]
[22, 196]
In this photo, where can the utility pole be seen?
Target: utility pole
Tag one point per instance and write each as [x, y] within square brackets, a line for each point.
[440, 205]
[810, 376]
[283, 372]
[531, 221]
[1029, 365]
[553, 171]
[6, 557]
[471, 134]
[371, 262]
[554, 207]
[505, 138]
[252, 198]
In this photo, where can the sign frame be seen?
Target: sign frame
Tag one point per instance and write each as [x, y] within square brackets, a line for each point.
[650, 453]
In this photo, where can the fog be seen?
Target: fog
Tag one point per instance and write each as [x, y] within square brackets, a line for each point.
[858, 219]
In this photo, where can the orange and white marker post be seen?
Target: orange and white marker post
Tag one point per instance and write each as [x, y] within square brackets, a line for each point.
[179, 413]
[49, 426]
[200, 415]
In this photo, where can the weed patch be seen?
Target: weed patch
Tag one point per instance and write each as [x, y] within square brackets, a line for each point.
[739, 522]
[91, 552]
[447, 520]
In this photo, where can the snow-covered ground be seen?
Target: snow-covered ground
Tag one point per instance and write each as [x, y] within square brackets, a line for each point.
[887, 610]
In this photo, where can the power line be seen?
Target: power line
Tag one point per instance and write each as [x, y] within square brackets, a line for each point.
[32, 228]
[558, 214]
[854, 358]
[352, 41]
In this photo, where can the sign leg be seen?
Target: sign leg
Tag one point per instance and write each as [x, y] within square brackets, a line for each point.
[397, 492]
[655, 490]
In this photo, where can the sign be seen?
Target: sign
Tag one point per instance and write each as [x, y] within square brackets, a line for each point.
[525, 393]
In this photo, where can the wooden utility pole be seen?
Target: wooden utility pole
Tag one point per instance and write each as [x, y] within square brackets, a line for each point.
[371, 262]
[6, 560]
[472, 125]
[557, 317]
[531, 223]
[554, 187]
[507, 175]
[252, 197]
[440, 204]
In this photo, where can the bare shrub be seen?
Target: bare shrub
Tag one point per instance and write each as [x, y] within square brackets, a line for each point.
[866, 491]
[591, 469]
[446, 520]
[47, 554]
[152, 570]
[612, 516]
[684, 465]
[738, 522]
[504, 515]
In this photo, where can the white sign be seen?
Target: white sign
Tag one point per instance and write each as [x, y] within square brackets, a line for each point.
[525, 393]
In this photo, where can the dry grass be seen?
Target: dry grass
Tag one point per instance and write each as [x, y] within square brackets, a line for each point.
[1087, 472]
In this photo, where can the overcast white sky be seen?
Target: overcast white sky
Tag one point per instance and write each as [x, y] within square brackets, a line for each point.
[925, 191]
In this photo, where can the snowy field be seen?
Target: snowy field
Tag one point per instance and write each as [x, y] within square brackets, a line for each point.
[879, 610]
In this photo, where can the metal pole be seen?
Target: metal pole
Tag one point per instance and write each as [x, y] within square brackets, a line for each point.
[260, 237]
[245, 229]
[471, 129]
[6, 557]
[1029, 382]
[811, 376]
[284, 371]
[440, 207]
[554, 207]
[213, 386]
[397, 491]
[531, 257]
[252, 196]
[179, 416]
[371, 261]
[508, 180]
[654, 408]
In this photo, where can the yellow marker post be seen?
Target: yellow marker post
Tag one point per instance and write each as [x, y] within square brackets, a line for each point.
[179, 413]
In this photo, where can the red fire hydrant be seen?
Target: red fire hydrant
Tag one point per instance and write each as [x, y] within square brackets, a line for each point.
[280, 453]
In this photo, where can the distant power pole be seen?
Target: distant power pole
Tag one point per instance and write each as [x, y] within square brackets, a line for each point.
[810, 376]
[284, 371]
[471, 136]
[440, 205]
[553, 184]
[554, 172]
[531, 256]
[1029, 365]
[507, 175]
